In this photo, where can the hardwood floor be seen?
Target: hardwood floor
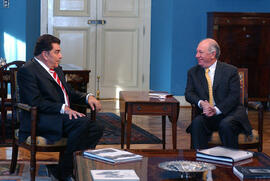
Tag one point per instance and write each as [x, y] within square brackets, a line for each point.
[153, 125]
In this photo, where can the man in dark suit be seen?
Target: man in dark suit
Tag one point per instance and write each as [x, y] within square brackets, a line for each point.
[42, 84]
[218, 98]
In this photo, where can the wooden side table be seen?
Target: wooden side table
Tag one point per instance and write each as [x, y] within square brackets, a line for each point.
[139, 103]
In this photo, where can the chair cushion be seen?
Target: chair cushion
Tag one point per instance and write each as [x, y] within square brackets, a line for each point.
[242, 139]
[41, 141]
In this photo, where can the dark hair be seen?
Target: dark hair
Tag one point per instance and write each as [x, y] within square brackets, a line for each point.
[44, 43]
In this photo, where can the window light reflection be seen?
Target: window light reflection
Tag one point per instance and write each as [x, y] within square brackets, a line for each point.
[14, 49]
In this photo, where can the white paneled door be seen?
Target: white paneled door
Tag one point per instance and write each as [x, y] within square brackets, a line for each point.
[109, 37]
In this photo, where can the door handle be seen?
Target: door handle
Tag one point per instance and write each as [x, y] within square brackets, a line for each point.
[96, 22]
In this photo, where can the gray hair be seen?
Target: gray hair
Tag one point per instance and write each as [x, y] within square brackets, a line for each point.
[214, 47]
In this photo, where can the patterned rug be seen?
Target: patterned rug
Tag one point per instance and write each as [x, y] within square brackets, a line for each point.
[112, 132]
[22, 172]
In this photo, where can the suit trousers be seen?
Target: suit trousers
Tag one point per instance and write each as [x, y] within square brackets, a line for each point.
[202, 128]
[82, 133]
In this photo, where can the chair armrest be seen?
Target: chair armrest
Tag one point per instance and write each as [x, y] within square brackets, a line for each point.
[33, 112]
[93, 112]
[255, 105]
[24, 107]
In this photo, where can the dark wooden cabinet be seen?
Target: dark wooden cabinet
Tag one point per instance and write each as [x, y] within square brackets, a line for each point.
[244, 39]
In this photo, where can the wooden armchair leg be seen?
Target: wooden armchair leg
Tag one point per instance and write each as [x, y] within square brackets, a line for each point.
[61, 155]
[3, 118]
[33, 165]
[14, 158]
[260, 147]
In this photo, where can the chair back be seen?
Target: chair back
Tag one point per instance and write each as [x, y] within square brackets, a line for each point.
[6, 86]
[243, 76]
[6, 78]
[15, 96]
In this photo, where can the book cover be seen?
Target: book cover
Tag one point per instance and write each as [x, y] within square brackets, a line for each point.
[246, 172]
[224, 154]
[112, 155]
[114, 175]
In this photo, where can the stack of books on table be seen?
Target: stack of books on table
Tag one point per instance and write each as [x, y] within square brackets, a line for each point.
[114, 175]
[251, 172]
[222, 155]
[111, 155]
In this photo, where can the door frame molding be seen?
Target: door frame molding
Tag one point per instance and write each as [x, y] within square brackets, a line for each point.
[43, 17]
[147, 41]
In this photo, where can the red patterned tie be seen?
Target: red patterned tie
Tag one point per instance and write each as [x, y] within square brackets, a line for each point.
[55, 76]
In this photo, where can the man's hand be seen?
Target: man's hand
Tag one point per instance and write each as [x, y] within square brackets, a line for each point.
[72, 113]
[94, 103]
[208, 109]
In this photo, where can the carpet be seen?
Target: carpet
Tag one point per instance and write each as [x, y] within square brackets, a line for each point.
[22, 172]
[112, 132]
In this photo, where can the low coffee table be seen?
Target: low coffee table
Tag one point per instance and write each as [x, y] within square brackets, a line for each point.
[147, 169]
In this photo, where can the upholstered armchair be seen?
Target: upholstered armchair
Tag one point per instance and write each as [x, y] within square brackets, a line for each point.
[33, 143]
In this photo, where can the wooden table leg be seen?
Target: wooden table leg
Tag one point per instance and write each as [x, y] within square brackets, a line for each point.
[173, 118]
[163, 131]
[174, 132]
[128, 130]
[123, 121]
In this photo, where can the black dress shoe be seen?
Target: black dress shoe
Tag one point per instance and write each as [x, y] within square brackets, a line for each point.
[69, 178]
[53, 170]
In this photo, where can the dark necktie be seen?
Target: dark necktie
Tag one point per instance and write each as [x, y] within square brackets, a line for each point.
[55, 76]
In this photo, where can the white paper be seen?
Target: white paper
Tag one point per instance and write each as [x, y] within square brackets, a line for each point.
[114, 175]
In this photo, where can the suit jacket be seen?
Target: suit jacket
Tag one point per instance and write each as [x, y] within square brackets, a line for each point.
[38, 88]
[226, 91]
